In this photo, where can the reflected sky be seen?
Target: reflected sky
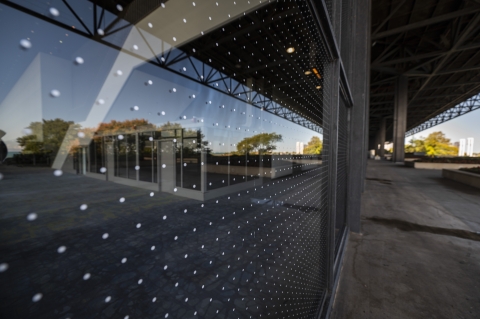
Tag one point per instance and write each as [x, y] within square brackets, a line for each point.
[117, 86]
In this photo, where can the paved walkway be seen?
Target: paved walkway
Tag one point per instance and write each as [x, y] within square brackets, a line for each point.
[245, 254]
[418, 255]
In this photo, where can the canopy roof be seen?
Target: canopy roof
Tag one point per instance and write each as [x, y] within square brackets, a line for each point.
[436, 44]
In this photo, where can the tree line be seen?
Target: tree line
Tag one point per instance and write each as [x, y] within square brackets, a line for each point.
[435, 144]
[46, 137]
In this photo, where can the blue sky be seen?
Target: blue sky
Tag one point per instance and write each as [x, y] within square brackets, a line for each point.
[464, 126]
[31, 75]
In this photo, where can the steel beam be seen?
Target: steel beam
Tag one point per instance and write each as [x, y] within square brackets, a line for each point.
[399, 5]
[426, 55]
[463, 108]
[427, 22]
[473, 24]
[464, 69]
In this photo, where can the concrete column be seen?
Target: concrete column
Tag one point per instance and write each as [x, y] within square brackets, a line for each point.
[360, 85]
[400, 119]
[381, 137]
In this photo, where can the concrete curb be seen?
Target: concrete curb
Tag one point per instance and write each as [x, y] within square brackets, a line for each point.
[467, 178]
[454, 166]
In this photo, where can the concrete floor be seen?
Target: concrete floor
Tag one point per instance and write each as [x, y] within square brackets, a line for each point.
[418, 254]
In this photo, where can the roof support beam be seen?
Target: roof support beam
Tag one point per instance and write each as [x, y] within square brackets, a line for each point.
[426, 55]
[382, 94]
[399, 5]
[390, 79]
[435, 96]
[474, 90]
[382, 102]
[385, 70]
[464, 69]
[465, 34]
[425, 23]
[435, 87]
[387, 52]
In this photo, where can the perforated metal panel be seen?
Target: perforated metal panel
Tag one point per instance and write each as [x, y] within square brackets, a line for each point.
[346, 35]
[172, 160]
[342, 166]
[329, 5]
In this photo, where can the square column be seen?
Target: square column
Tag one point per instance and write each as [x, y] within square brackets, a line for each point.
[400, 119]
[382, 136]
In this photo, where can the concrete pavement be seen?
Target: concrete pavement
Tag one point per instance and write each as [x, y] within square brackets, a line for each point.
[418, 254]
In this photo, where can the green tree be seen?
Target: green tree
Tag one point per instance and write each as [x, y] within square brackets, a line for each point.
[433, 145]
[314, 146]
[437, 144]
[263, 143]
[416, 145]
[46, 137]
[409, 148]
[122, 126]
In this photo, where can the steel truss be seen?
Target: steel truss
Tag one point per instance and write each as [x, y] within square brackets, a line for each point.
[174, 60]
[465, 107]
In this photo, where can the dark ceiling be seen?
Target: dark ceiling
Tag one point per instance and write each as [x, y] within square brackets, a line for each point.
[436, 44]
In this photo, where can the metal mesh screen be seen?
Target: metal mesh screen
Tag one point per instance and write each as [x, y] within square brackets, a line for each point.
[172, 162]
[329, 5]
[342, 161]
[346, 35]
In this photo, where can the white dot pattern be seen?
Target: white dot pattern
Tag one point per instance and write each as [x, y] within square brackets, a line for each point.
[227, 195]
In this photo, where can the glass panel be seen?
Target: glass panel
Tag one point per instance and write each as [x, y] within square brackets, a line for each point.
[121, 152]
[96, 156]
[170, 165]
[131, 150]
[178, 146]
[155, 162]
[191, 160]
[146, 158]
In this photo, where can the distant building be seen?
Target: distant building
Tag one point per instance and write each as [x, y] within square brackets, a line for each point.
[461, 148]
[299, 148]
[470, 146]
[388, 146]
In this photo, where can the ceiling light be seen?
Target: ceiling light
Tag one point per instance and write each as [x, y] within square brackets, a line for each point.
[308, 72]
[317, 73]
[318, 87]
[290, 50]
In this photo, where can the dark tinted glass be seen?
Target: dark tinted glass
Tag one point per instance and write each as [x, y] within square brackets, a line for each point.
[165, 160]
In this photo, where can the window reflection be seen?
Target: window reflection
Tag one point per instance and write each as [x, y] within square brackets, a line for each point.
[150, 180]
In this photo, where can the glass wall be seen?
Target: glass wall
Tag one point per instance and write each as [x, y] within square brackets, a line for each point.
[168, 161]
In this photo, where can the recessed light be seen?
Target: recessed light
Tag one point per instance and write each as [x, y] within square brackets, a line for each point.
[317, 73]
[290, 50]
[318, 87]
[308, 72]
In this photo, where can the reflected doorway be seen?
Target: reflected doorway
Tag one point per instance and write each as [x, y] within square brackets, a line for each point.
[167, 173]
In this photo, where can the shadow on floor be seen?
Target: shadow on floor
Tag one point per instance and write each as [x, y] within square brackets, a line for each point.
[408, 226]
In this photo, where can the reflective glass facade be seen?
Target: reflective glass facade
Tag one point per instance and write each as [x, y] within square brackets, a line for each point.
[166, 160]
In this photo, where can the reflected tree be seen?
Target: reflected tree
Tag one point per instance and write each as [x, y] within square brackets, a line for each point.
[314, 146]
[46, 137]
[119, 126]
[263, 143]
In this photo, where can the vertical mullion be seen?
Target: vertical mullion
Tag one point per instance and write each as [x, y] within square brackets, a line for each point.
[332, 170]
